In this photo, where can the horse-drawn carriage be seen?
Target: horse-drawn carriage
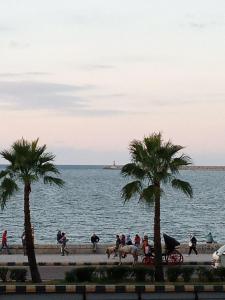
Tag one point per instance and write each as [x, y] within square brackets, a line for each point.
[170, 255]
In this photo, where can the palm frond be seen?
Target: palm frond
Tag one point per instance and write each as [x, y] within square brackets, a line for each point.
[172, 149]
[177, 163]
[153, 143]
[133, 170]
[7, 155]
[43, 169]
[21, 147]
[3, 173]
[53, 180]
[28, 178]
[131, 190]
[183, 186]
[150, 193]
[29, 161]
[34, 145]
[137, 151]
[46, 157]
[7, 189]
[165, 177]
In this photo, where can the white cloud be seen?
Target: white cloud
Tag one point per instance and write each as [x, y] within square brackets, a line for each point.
[18, 45]
[31, 95]
[53, 97]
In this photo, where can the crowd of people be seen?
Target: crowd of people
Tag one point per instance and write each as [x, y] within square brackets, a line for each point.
[121, 240]
[140, 243]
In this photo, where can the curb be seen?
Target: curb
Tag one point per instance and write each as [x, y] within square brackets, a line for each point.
[25, 264]
[83, 289]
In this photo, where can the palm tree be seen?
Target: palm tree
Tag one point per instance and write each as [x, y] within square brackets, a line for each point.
[154, 164]
[28, 163]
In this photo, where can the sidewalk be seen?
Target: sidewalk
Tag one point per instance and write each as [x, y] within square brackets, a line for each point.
[51, 259]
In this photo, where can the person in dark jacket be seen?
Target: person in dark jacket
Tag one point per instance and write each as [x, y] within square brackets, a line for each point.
[118, 242]
[137, 240]
[128, 240]
[63, 242]
[192, 244]
[123, 240]
[59, 236]
[209, 238]
[94, 239]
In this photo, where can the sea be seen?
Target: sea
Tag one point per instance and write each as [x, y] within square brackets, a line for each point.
[90, 202]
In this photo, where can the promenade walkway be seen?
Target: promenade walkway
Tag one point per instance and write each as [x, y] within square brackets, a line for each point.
[88, 258]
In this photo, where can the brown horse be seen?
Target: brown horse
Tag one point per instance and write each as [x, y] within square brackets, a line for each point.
[110, 250]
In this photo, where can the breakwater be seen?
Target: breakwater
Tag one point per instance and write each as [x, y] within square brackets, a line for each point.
[204, 168]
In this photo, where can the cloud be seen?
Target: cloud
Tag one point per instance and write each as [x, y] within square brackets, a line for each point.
[113, 95]
[100, 67]
[18, 45]
[55, 97]
[22, 74]
[4, 28]
[102, 112]
[200, 23]
[29, 95]
[197, 25]
[203, 25]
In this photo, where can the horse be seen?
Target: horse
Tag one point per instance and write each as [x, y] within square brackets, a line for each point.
[128, 249]
[110, 250]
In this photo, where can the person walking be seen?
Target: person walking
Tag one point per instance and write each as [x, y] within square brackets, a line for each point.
[4, 242]
[58, 237]
[94, 239]
[145, 245]
[118, 242]
[123, 240]
[137, 241]
[123, 243]
[63, 242]
[192, 244]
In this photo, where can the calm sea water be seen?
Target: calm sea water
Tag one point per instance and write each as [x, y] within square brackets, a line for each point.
[90, 202]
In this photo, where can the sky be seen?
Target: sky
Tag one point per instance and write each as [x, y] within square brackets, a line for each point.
[87, 77]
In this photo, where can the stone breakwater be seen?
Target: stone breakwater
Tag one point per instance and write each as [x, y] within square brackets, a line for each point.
[101, 248]
[204, 168]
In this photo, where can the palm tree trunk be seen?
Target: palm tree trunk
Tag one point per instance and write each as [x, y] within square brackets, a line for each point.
[159, 275]
[28, 235]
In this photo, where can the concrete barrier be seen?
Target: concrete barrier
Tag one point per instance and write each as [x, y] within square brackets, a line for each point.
[111, 289]
[101, 248]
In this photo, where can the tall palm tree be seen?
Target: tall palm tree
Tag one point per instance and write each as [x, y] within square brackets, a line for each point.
[154, 164]
[28, 163]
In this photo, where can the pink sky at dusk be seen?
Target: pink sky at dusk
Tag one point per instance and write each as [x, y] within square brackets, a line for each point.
[87, 77]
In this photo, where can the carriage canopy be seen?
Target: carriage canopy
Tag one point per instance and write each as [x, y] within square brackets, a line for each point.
[170, 242]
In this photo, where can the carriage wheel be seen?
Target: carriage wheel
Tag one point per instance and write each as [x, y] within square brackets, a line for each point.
[148, 260]
[174, 258]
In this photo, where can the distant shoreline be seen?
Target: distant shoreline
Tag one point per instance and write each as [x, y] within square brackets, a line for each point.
[189, 168]
[119, 167]
[204, 168]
